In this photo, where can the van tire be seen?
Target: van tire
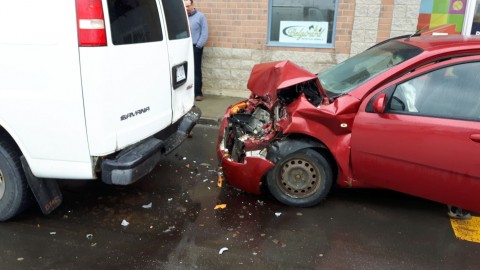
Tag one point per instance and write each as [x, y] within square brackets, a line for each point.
[14, 191]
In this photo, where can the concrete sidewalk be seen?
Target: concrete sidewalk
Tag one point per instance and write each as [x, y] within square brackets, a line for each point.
[213, 107]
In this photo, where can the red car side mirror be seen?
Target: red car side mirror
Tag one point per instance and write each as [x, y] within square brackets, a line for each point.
[380, 103]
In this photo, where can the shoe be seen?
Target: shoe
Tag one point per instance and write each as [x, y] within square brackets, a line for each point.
[458, 213]
[199, 98]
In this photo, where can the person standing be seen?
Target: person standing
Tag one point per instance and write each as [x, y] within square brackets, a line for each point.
[199, 29]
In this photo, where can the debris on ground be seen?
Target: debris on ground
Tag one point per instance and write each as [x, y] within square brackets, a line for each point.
[147, 206]
[278, 214]
[277, 242]
[222, 250]
[125, 223]
[89, 236]
[220, 179]
[171, 228]
[220, 206]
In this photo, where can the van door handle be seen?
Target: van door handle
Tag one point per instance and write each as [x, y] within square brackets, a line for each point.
[475, 137]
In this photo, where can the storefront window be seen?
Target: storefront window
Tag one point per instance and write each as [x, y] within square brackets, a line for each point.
[302, 23]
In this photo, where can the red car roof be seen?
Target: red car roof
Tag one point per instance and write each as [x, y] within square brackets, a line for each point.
[453, 42]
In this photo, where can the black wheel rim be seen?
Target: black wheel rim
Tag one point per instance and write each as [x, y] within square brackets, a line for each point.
[298, 178]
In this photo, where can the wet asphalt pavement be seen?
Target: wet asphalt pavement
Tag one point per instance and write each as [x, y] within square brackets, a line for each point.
[352, 229]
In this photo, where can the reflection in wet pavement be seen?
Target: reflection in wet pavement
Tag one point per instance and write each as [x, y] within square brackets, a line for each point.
[179, 228]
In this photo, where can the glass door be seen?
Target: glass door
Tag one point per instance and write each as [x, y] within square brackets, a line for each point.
[472, 18]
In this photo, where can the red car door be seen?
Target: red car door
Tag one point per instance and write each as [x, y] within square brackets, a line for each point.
[426, 142]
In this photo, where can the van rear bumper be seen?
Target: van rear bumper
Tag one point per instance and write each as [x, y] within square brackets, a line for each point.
[136, 161]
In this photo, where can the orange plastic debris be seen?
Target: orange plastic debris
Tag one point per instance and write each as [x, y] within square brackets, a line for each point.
[220, 206]
[220, 180]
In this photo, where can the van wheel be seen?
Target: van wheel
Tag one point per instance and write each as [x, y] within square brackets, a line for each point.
[303, 178]
[13, 184]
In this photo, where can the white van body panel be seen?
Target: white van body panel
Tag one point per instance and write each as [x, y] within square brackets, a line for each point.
[180, 51]
[41, 101]
[106, 101]
[86, 96]
[138, 80]
[183, 96]
[63, 104]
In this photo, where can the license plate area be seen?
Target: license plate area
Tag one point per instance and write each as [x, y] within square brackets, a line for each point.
[179, 74]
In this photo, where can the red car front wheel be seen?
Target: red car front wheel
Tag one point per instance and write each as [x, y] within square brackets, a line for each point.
[303, 178]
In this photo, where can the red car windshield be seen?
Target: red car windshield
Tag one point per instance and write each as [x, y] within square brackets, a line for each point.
[348, 75]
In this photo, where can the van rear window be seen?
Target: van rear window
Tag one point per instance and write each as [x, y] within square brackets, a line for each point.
[177, 23]
[134, 21]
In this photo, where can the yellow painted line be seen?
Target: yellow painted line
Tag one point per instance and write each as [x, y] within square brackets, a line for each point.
[468, 230]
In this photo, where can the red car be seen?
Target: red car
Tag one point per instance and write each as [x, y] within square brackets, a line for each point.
[403, 115]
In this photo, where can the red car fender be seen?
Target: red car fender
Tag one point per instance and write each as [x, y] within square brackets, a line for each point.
[330, 124]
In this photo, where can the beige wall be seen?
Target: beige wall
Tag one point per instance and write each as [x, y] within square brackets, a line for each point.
[238, 37]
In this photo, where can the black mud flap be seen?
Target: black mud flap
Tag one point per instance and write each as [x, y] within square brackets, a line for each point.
[46, 191]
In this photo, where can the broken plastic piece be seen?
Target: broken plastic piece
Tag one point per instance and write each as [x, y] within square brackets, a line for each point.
[220, 206]
[125, 223]
[220, 179]
[89, 236]
[147, 206]
[170, 228]
[235, 109]
[278, 214]
[222, 250]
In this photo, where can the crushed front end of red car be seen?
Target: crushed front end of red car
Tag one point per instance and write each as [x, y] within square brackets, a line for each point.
[249, 128]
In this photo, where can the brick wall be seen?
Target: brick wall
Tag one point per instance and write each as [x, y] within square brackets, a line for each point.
[405, 17]
[238, 38]
[236, 24]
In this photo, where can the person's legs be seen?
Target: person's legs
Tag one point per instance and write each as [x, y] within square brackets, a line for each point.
[197, 55]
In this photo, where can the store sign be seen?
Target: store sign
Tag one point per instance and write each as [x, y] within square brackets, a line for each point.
[303, 32]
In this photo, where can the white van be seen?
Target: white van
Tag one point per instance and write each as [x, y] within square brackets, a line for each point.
[89, 89]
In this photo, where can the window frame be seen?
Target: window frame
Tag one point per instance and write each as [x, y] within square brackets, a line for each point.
[119, 41]
[390, 91]
[170, 21]
[271, 43]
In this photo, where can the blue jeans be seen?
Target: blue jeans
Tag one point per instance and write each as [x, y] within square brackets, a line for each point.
[197, 59]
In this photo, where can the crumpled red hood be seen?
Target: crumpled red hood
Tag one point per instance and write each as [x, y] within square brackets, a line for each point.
[267, 78]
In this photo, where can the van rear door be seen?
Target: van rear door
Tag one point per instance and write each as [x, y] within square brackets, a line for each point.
[127, 83]
[180, 55]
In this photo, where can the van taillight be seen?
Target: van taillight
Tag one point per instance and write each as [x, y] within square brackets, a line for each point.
[90, 23]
